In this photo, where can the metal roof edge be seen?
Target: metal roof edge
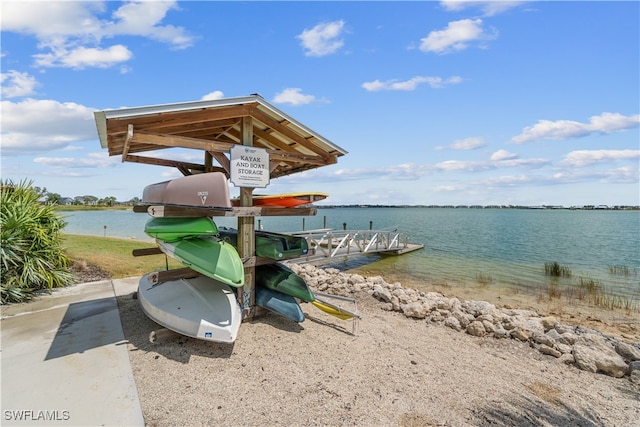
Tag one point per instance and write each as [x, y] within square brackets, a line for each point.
[102, 116]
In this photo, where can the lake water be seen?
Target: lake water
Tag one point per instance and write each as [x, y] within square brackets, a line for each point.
[506, 247]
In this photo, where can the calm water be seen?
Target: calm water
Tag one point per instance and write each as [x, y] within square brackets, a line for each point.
[509, 246]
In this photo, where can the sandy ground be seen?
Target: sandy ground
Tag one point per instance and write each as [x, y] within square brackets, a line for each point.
[393, 371]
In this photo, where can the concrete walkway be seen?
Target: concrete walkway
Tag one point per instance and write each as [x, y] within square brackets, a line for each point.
[65, 361]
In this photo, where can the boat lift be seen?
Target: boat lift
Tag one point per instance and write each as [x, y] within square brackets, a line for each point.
[327, 243]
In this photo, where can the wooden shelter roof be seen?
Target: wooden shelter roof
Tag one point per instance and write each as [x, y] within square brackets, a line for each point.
[142, 134]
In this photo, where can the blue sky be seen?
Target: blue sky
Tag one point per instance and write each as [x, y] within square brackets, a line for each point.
[450, 102]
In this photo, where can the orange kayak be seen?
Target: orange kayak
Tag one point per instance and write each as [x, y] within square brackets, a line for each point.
[287, 200]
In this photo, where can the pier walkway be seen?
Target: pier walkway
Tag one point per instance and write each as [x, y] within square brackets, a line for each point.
[326, 243]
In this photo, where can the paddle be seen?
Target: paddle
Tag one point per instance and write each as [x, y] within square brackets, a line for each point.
[333, 309]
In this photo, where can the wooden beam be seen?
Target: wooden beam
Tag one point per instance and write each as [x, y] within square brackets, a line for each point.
[164, 162]
[223, 160]
[283, 129]
[127, 142]
[180, 141]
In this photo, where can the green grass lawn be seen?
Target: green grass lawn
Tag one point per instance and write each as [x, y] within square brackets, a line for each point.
[115, 255]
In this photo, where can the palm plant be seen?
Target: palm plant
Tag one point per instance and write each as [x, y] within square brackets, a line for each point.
[31, 253]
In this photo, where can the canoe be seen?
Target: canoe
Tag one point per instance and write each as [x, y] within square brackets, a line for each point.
[271, 245]
[287, 200]
[209, 256]
[277, 302]
[205, 189]
[279, 278]
[174, 229]
[200, 307]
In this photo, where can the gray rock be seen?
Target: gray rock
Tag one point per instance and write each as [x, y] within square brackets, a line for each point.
[476, 329]
[489, 327]
[568, 338]
[554, 334]
[563, 348]
[453, 323]
[567, 359]
[520, 334]
[501, 333]
[628, 352]
[543, 339]
[592, 353]
[549, 322]
[563, 329]
[414, 310]
[550, 351]
[463, 318]
[381, 293]
[634, 366]
[477, 308]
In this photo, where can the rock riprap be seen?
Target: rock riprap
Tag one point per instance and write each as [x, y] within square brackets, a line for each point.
[585, 348]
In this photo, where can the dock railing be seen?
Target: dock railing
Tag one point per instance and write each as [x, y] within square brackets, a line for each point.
[330, 243]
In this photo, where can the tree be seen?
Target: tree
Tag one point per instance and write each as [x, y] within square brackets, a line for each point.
[53, 198]
[31, 253]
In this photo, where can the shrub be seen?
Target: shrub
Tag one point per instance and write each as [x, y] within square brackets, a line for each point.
[554, 269]
[31, 254]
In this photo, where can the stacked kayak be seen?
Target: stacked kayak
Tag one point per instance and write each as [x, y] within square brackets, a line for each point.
[271, 245]
[194, 242]
[205, 307]
[200, 307]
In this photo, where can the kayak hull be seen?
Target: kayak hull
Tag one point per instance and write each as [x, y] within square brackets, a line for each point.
[200, 307]
[209, 256]
[174, 229]
[277, 302]
[278, 277]
[271, 245]
[287, 200]
[205, 189]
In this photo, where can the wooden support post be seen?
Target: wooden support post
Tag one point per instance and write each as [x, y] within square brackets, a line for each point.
[208, 162]
[246, 236]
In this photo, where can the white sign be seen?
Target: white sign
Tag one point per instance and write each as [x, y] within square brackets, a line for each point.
[249, 166]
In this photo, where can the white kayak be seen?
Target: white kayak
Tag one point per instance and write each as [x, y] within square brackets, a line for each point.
[200, 307]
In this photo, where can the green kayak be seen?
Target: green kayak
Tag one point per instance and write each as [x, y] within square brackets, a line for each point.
[271, 245]
[279, 278]
[209, 256]
[174, 229]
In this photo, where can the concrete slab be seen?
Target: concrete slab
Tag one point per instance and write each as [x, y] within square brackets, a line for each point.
[64, 361]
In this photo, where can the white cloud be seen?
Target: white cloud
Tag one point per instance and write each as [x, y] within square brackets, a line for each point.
[581, 158]
[293, 96]
[411, 84]
[455, 37]
[501, 155]
[83, 57]
[15, 84]
[489, 8]
[92, 160]
[323, 39]
[216, 94]
[471, 143]
[70, 33]
[565, 129]
[34, 126]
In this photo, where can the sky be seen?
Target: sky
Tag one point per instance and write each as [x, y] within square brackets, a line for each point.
[436, 103]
